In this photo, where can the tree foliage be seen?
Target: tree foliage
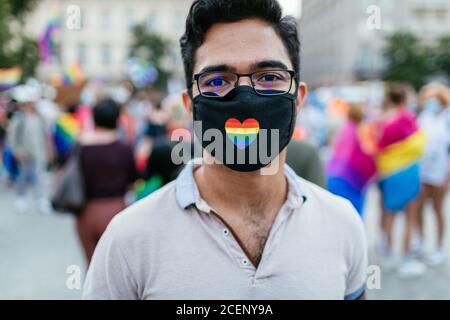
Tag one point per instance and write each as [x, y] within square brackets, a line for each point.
[15, 47]
[406, 59]
[410, 61]
[153, 48]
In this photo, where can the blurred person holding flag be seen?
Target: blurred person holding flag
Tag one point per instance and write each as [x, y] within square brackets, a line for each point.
[351, 167]
[400, 146]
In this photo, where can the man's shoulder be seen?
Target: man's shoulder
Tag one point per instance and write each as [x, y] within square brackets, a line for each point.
[148, 213]
[328, 206]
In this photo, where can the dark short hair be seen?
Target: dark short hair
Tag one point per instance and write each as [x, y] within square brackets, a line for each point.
[205, 13]
[106, 114]
[396, 93]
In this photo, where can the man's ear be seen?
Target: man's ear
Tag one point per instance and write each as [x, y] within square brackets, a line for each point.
[302, 92]
[187, 101]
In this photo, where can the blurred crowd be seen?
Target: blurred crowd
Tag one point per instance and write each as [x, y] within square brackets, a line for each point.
[403, 148]
[385, 135]
[122, 139]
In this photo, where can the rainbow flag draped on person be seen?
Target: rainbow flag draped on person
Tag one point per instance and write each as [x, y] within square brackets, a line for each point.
[400, 147]
[350, 168]
[67, 129]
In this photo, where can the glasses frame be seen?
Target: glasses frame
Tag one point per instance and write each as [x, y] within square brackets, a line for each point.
[292, 73]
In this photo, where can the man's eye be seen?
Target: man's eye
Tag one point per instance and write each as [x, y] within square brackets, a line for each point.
[270, 77]
[217, 82]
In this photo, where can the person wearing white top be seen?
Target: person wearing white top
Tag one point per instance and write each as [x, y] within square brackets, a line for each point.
[435, 164]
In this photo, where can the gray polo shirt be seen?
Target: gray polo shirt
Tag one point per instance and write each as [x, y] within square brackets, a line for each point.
[171, 245]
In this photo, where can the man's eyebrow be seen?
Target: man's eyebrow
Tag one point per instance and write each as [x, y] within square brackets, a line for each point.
[217, 68]
[269, 64]
[255, 66]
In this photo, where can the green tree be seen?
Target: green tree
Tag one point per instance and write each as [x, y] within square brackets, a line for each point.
[407, 60]
[443, 55]
[15, 47]
[153, 48]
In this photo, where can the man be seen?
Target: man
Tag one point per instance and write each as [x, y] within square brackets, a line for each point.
[28, 139]
[230, 229]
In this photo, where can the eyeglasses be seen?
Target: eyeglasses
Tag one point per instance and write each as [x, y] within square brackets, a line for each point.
[265, 83]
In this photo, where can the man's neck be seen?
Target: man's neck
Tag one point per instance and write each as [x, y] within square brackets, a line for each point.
[226, 190]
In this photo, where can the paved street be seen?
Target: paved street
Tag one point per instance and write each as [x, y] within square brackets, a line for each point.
[36, 249]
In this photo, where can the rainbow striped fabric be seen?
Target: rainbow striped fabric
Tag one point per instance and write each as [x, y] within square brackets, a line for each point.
[242, 134]
[47, 46]
[9, 77]
[350, 168]
[400, 147]
[67, 129]
[73, 75]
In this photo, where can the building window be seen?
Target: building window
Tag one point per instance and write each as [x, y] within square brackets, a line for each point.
[151, 22]
[81, 54]
[82, 18]
[104, 19]
[130, 22]
[106, 54]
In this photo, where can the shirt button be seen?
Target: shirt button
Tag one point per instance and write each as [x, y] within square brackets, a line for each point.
[244, 262]
[226, 232]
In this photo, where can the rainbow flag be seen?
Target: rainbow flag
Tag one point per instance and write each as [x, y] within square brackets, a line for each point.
[350, 168]
[10, 163]
[9, 77]
[47, 46]
[400, 147]
[67, 129]
[73, 75]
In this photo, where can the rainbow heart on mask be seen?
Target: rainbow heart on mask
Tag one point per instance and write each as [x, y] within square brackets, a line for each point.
[242, 134]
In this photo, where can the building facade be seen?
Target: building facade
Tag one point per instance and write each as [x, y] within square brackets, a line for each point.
[100, 40]
[342, 41]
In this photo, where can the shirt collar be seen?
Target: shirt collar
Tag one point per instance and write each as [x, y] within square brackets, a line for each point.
[186, 191]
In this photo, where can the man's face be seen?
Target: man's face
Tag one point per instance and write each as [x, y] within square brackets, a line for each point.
[242, 47]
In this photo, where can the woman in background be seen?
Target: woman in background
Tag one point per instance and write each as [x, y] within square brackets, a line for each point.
[108, 170]
[351, 167]
[400, 146]
[435, 165]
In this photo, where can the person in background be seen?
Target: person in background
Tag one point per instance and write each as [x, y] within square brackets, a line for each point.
[159, 168]
[108, 169]
[400, 146]
[351, 166]
[3, 126]
[9, 171]
[28, 139]
[303, 157]
[435, 164]
[155, 134]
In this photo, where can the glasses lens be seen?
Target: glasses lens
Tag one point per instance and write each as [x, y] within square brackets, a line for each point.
[216, 84]
[272, 82]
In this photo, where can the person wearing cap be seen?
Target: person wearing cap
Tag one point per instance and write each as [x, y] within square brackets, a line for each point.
[27, 138]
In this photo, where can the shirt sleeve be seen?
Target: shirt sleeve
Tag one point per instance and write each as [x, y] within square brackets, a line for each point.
[109, 276]
[358, 260]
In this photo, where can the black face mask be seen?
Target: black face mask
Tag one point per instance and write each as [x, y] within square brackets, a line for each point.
[254, 129]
